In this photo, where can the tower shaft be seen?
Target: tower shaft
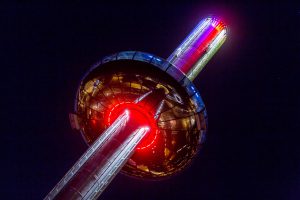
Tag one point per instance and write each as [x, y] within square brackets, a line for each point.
[198, 47]
[93, 172]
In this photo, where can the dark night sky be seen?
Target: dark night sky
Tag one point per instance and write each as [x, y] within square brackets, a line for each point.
[250, 89]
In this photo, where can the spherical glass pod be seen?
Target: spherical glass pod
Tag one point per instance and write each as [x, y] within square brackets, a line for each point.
[178, 112]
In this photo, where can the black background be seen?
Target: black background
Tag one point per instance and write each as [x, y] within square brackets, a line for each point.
[250, 89]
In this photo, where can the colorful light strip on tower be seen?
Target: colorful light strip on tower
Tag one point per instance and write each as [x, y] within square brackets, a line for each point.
[198, 48]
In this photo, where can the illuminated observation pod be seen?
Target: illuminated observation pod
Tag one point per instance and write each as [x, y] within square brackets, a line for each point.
[172, 107]
[140, 114]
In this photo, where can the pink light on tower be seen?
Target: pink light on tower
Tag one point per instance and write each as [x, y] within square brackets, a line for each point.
[198, 48]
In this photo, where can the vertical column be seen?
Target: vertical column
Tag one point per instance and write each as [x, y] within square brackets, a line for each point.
[199, 46]
[91, 174]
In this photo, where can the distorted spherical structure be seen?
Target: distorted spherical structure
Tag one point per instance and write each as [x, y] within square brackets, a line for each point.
[175, 112]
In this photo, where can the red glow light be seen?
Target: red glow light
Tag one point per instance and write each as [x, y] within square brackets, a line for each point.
[140, 114]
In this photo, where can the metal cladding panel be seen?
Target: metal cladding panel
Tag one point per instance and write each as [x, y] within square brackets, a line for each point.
[141, 56]
[190, 88]
[175, 73]
[198, 102]
[109, 58]
[159, 62]
[127, 55]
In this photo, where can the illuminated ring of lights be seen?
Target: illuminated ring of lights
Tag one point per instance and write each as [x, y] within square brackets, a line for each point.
[139, 109]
